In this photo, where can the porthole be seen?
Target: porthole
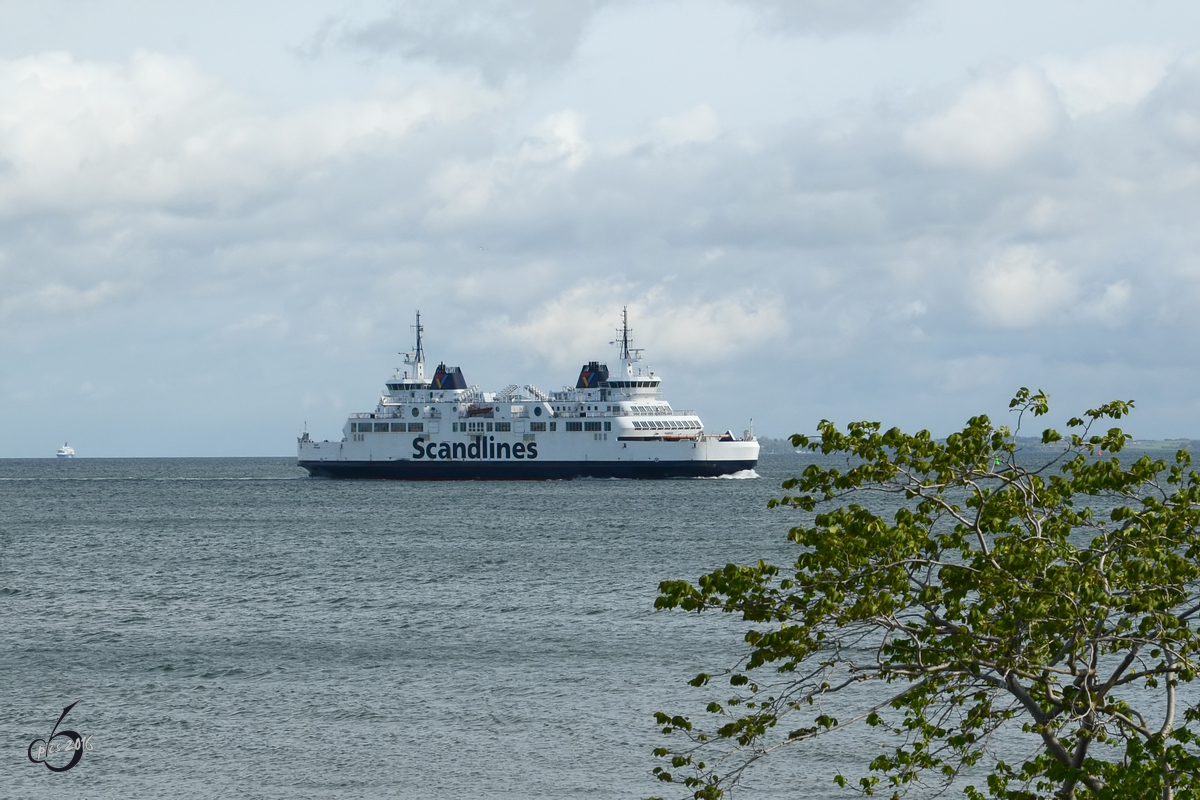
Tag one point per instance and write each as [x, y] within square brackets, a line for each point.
[416, 412]
[537, 411]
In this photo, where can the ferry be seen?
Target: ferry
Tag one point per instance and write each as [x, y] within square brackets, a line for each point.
[611, 424]
[66, 451]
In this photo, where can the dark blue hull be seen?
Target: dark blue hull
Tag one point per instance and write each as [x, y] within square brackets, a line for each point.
[523, 471]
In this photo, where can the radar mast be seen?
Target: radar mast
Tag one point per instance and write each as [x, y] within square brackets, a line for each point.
[416, 358]
[628, 355]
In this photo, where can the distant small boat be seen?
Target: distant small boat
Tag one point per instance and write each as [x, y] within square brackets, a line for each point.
[66, 451]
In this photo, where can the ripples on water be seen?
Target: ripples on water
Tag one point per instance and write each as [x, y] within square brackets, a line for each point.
[232, 628]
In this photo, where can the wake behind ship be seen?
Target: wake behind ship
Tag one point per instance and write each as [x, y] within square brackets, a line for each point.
[610, 425]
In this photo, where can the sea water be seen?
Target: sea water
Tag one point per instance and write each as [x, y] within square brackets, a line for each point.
[233, 628]
[230, 627]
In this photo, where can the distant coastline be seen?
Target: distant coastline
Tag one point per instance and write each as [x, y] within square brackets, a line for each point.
[775, 447]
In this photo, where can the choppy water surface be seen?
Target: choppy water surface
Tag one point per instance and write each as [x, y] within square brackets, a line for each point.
[232, 628]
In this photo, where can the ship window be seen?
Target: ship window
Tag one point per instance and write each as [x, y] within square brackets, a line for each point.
[489, 426]
[608, 426]
[504, 426]
[537, 411]
[397, 427]
[575, 426]
[591, 426]
[553, 426]
[416, 412]
[537, 426]
[354, 427]
[416, 427]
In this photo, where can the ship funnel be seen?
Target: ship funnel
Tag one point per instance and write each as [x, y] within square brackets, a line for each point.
[592, 375]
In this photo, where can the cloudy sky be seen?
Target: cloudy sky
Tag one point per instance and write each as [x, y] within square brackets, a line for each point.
[217, 220]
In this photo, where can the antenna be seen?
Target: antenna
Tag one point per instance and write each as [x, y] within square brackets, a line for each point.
[420, 354]
[416, 358]
[627, 353]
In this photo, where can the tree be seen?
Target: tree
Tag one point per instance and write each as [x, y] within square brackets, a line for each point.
[1056, 602]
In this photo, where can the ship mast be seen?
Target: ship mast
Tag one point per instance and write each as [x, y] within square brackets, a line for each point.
[416, 358]
[628, 355]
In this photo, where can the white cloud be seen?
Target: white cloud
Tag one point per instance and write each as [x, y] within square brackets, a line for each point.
[156, 131]
[259, 325]
[556, 148]
[499, 38]
[55, 299]
[578, 320]
[968, 374]
[1020, 288]
[145, 205]
[1111, 307]
[697, 124]
[831, 17]
[1115, 76]
[993, 123]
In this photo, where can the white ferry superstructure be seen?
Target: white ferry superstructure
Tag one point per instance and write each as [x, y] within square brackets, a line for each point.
[610, 425]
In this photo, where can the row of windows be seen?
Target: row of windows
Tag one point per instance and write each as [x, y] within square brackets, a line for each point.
[635, 409]
[665, 424]
[650, 409]
[632, 384]
[589, 426]
[386, 427]
[479, 427]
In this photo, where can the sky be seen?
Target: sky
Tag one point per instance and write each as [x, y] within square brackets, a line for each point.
[218, 220]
